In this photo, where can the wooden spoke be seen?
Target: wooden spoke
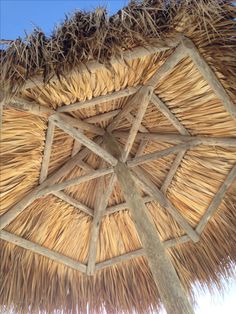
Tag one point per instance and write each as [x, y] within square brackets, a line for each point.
[47, 152]
[142, 179]
[103, 195]
[210, 76]
[217, 199]
[36, 248]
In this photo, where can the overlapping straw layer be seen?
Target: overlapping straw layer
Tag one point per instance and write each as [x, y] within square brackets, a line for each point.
[31, 283]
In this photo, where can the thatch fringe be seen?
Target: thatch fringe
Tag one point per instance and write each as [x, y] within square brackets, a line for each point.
[94, 35]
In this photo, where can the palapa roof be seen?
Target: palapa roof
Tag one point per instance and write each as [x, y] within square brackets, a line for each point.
[101, 65]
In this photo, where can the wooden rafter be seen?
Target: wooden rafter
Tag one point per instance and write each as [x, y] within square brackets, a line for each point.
[144, 98]
[36, 248]
[217, 199]
[142, 179]
[160, 154]
[209, 76]
[47, 152]
[14, 211]
[139, 252]
[77, 204]
[65, 126]
[103, 195]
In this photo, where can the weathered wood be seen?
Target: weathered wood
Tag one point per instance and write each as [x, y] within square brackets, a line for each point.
[103, 195]
[145, 96]
[99, 100]
[175, 165]
[103, 116]
[47, 152]
[159, 104]
[77, 204]
[217, 199]
[168, 65]
[164, 274]
[142, 179]
[30, 107]
[209, 76]
[93, 66]
[76, 148]
[14, 211]
[160, 154]
[38, 249]
[139, 252]
[78, 123]
[76, 181]
[178, 138]
[62, 124]
[123, 206]
[131, 119]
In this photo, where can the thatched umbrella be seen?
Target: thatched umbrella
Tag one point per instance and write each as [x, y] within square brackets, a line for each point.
[118, 153]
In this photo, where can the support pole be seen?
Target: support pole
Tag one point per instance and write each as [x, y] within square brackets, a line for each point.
[164, 274]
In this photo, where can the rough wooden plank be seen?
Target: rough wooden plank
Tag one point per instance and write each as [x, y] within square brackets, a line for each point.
[30, 107]
[144, 98]
[168, 65]
[142, 179]
[217, 199]
[99, 100]
[139, 252]
[175, 165]
[161, 106]
[210, 77]
[15, 210]
[77, 204]
[160, 154]
[80, 124]
[123, 206]
[47, 152]
[166, 279]
[93, 66]
[103, 116]
[103, 195]
[62, 124]
[76, 181]
[38, 249]
[76, 148]
[178, 138]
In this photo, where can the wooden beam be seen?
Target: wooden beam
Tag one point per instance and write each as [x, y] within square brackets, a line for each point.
[76, 181]
[30, 107]
[15, 210]
[47, 152]
[76, 148]
[210, 76]
[102, 197]
[93, 66]
[123, 206]
[217, 199]
[139, 252]
[65, 126]
[38, 249]
[142, 179]
[77, 204]
[99, 100]
[172, 171]
[159, 104]
[164, 274]
[160, 154]
[168, 65]
[103, 116]
[177, 138]
[144, 98]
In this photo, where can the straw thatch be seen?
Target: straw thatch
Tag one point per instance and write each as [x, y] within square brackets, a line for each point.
[58, 71]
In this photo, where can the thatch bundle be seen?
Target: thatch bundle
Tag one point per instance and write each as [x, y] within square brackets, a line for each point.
[61, 70]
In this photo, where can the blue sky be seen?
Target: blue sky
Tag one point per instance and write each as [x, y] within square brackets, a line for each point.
[18, 17]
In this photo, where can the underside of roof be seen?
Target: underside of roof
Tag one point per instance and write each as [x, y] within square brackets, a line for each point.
[159, 77]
